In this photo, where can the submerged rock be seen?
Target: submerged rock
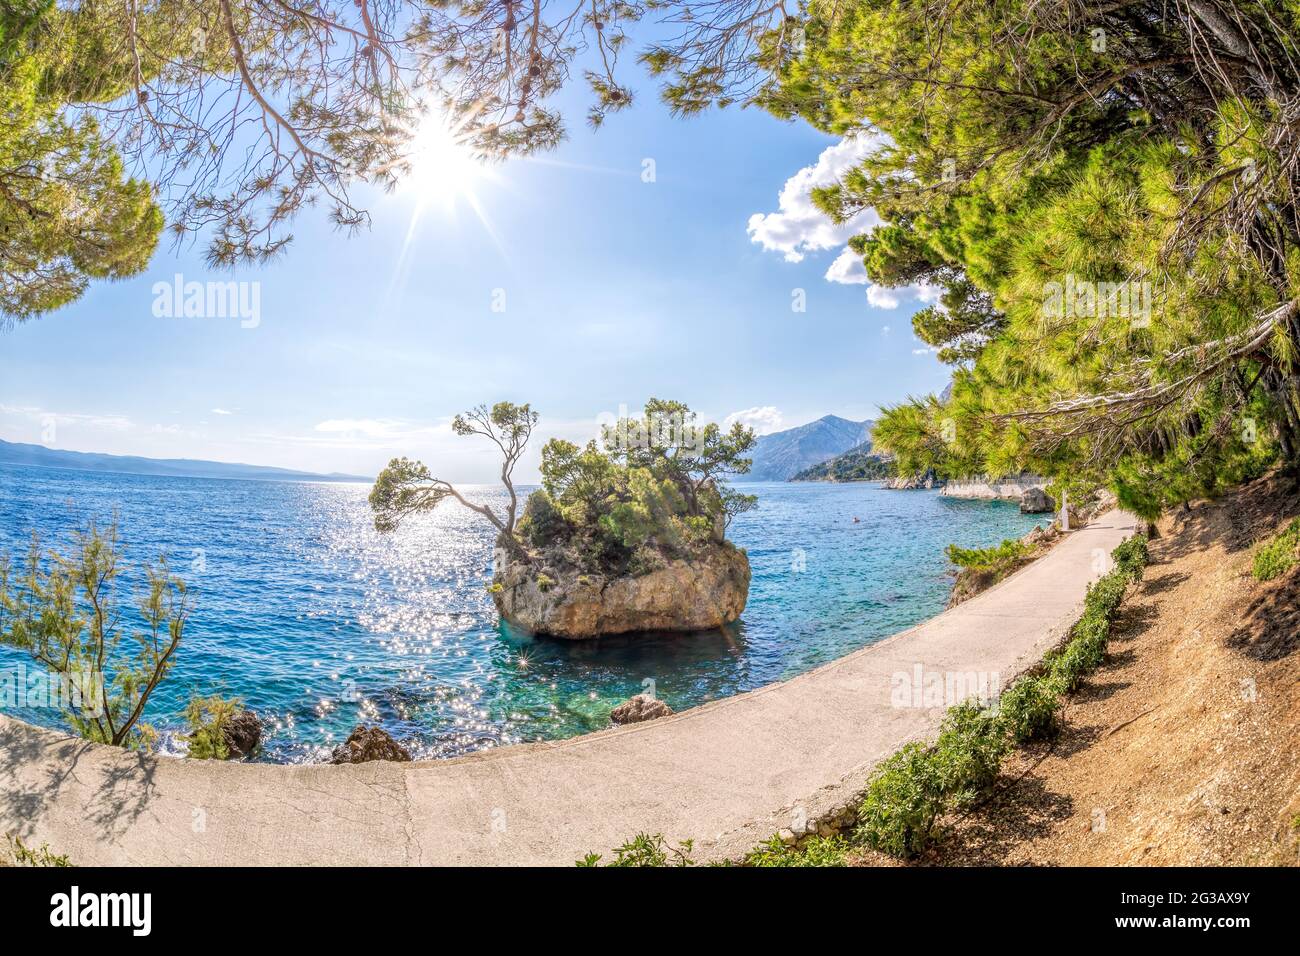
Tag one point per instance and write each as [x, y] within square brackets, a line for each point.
[639, 708]
[546, 594]
[1036, 501]
[243, 733]
[369, 743]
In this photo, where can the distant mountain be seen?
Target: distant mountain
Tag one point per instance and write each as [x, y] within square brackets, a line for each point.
[20, 454]
[781, 455]
[856, 464]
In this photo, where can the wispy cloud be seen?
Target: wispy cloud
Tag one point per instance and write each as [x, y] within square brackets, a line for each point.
[45, 417]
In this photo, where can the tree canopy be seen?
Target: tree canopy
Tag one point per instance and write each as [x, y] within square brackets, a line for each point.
[68, 211]
[1106, 194]
[233, 115]
[657, 489]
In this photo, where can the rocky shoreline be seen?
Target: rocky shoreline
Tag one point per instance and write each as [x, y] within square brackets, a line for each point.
[980, 488]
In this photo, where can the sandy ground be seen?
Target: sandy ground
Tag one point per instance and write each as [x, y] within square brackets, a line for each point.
[1184, 749]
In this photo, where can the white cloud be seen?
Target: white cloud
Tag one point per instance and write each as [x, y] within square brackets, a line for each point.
[929, 294]
[764, 419]
[921, 292]
[847, 269]
[221, 411]
[882, 298]
[798, 227]
[374, 429]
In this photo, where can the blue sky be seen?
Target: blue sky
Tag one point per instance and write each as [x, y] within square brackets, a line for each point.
[614, 289]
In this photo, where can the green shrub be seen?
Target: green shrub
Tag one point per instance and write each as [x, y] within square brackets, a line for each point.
[646, 850]
[1093, 626]
[1105, 595]
[818, 851]
[207, 718]
[1029, 709]
[968, 752]
[22, 855]
[1008, 552]
[541, 523]
[1278, 556]
[1076, 660]
[1131, 556]
[902, 803]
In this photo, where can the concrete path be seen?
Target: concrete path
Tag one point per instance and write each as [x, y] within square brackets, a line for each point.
[728, 774]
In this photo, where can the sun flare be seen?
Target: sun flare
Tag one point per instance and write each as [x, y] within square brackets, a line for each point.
[443, 165]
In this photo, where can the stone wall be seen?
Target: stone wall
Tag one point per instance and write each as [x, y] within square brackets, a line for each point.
[988, 489]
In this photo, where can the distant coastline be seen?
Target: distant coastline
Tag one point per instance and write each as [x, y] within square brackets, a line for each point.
[18, 453]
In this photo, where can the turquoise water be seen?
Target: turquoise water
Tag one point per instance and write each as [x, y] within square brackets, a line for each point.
[319, 623]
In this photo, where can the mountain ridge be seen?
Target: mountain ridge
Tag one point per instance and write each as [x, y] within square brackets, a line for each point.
[20, 453]
[859, 463]
[779, 456]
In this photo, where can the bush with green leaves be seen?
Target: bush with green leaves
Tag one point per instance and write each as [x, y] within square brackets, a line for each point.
[1079, 658]
[658, 488]
[207, 718]
[22, 855]
[651, 490]
[63, 610]
[646, 850]
[816, 851]
[1030, 708]
[1132, 556]
[968, 751]
[903, 801]
[1009, 552]
[1278, 556]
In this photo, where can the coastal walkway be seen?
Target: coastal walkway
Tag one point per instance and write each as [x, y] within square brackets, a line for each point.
[727, 774]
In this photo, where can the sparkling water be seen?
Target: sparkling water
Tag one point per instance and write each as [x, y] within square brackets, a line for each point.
[318, 623]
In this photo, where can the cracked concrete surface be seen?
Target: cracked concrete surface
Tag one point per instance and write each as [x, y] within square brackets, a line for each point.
[727, 774]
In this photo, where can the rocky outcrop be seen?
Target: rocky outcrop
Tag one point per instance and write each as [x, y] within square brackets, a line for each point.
[639, 708]
[545, 594]
[1036, 501]
[243, 733]
[369, 743]
[914, 482]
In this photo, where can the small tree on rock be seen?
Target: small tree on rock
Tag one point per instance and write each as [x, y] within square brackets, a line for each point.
[407, 487]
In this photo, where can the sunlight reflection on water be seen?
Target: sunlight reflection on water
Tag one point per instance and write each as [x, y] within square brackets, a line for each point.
[319, 623]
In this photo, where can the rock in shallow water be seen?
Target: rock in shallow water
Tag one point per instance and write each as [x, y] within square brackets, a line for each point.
[546, 597]
[639, 708]
[243, 733]
[369, 743]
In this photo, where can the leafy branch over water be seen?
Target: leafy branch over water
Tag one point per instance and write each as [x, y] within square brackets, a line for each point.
[63, 610]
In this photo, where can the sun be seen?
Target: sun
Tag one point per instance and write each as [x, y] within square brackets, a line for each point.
[444, 175]
[443, 164]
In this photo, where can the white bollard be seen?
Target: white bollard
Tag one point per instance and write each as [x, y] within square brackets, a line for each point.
[1065, 512]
